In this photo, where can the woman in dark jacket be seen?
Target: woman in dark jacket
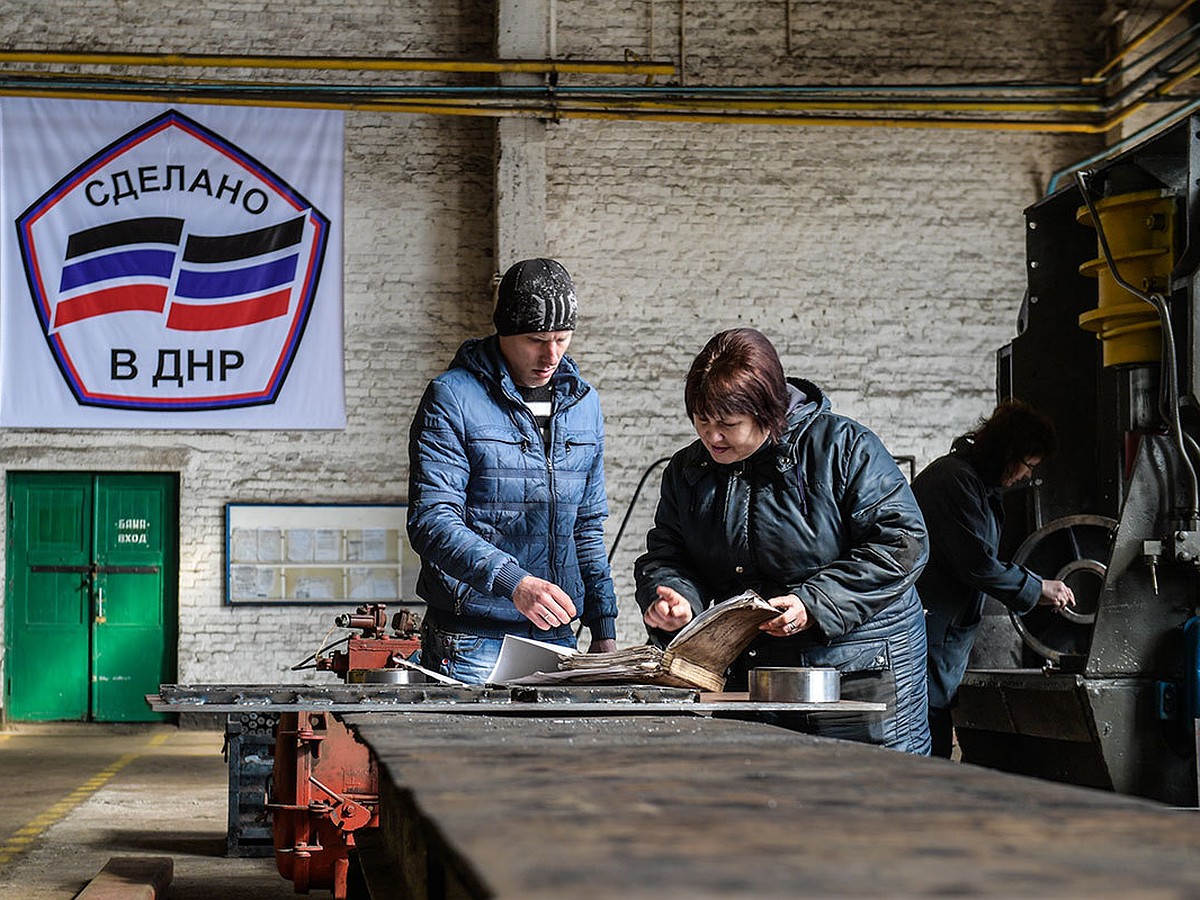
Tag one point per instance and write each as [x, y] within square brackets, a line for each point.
[782, 496]
[960, 497]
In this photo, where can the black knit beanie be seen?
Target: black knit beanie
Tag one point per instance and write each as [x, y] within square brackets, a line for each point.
[535, 295]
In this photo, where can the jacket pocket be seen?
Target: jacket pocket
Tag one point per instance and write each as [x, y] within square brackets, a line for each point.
[495, 523]
[579, 451]
[581, 438]
[496, 451]
[851, 656]
[461, 591]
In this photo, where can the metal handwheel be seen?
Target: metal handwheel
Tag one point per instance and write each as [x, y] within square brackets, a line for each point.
[1070, 549]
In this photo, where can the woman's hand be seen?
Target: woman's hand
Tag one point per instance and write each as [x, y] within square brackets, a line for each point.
[1056, 595]
[792, 618]
[670, 612]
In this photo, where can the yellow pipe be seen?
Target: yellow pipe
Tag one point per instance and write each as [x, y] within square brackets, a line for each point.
[1138, 41]
[829, 105]
[443, 108]
[953, 124]
[694, 111]
[449, 105]
[998, 105]
[1186, 75]
[549, 66]
[201, 60]
[690, 111]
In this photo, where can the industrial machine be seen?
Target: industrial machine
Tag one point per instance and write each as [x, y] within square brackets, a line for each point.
[325, 786]
[1108, 345]
[373, 649]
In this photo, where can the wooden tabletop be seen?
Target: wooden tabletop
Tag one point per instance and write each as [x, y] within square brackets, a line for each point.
[686, 806]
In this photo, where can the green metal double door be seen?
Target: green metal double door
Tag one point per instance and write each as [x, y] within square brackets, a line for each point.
[92, 595]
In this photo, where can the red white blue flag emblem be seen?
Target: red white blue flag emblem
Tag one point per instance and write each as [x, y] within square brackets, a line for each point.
[130, 264]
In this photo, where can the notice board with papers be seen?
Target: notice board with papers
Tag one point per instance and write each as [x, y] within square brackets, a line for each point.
[338, 554]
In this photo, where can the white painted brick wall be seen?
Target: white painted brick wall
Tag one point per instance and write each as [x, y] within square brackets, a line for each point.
[887, 264]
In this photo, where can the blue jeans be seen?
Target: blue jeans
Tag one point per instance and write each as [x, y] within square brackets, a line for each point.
[468, 657]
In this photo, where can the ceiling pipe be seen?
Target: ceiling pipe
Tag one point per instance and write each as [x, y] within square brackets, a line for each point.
[561, 110]
[1142, 134]
[341, 63]
[1137, 41]
[926, 106]
[545, 101]
[1185, 46]
[893, 102]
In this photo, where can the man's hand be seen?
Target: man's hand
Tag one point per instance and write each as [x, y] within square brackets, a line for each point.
[670, 612]
[604, 645]
[1057, 595]
[543, 603]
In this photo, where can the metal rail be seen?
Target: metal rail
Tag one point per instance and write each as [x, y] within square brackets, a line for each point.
[471, 700]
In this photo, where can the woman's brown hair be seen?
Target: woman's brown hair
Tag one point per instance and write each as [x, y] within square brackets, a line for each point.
[1013, 432]
[738, 373]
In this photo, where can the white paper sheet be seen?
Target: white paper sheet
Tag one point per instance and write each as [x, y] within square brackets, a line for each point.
[520, 656]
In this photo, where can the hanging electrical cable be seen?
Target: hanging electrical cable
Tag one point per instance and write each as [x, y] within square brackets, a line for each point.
[633, 500]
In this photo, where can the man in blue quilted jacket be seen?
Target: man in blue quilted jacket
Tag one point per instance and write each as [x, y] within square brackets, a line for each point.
[506, 498]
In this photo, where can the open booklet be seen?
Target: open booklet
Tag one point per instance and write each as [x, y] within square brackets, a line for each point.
[697, 656]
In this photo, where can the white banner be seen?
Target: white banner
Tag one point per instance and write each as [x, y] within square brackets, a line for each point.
[170, 266]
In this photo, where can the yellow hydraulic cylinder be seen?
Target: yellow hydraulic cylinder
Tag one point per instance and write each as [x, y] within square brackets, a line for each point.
[1140, 228]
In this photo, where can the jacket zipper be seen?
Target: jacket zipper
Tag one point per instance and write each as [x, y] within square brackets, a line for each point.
[547, 454]
[557, 410]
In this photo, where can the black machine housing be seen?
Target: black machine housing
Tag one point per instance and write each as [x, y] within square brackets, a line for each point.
[1106, 696]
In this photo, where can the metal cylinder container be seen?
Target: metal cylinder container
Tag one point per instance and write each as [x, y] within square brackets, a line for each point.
[785, 684]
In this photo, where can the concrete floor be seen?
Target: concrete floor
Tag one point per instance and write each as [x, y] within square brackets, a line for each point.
[76, 795]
